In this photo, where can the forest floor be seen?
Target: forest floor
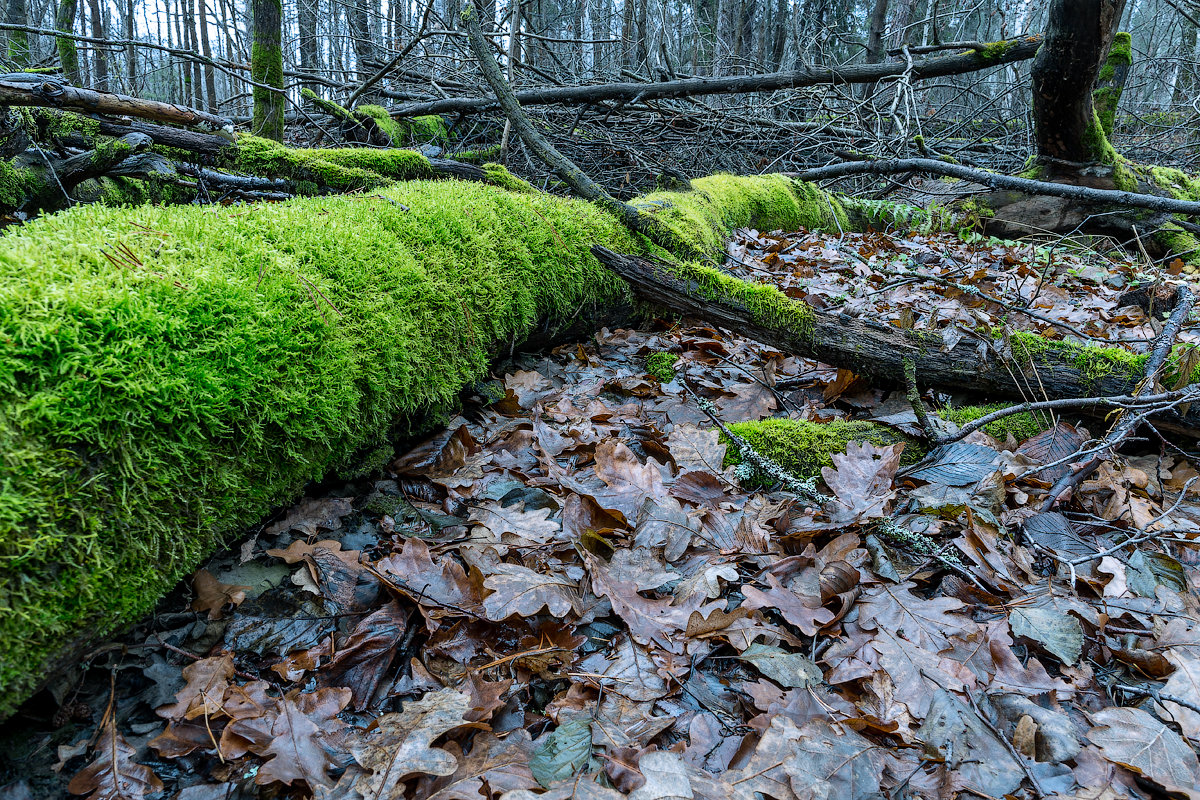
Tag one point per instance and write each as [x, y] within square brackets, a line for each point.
[572, 590]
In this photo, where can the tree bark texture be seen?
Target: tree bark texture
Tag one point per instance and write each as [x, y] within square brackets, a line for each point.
[266, 67]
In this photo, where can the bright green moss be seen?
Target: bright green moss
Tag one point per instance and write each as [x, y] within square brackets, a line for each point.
[1019, 426]
[266, 67]
[409, 130]
[1108, 95]
[341, 169]
[498, 175]
[700, 218]
[767, 305]
[1093, 363]
[148, 412]
[661, 365]
[803, 447]
[480, 156]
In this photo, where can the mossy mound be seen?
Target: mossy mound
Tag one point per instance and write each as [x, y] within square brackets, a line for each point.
[803, 447]
[156, 403]
[661, 366]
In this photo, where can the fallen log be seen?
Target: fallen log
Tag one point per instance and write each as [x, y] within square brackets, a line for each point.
[1017, 364]
[27, 89]
[993, 55]
[169, 375]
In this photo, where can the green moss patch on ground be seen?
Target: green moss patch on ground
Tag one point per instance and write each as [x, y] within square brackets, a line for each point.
[1020, 426]
[152, 408]
[803, 447]
[334, 169]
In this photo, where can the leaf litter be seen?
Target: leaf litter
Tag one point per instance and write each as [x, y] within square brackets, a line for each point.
[571, 592]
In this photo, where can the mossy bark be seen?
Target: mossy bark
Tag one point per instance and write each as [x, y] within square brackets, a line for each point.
[266, 67]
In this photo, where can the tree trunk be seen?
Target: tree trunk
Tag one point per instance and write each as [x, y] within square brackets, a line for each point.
[310, 53]
[266, 67]
[68, 54]
[194, 46]
[875, 31]
[1077, 38]
[360, 32]
[210, 72]
[100, 75]
[17, 13]
[131, 72]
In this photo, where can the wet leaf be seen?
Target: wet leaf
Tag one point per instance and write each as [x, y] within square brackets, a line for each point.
[1132, 738]
[1059, 634]
[563, 753]
[113, 774]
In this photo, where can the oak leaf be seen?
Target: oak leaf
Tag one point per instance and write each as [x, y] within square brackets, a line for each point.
[114, 775]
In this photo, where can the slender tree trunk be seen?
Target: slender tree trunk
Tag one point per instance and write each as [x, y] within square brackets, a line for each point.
[128, 31]
[16, 12]
[210, 73]
[1078, 36]
[875, 31]
[310, 49]
[101, 54]
[68, 54]
[360, 32]
[266, 66]
[194, 46]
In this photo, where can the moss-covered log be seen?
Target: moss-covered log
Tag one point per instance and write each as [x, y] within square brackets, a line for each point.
[170, 375]
[1015, 365]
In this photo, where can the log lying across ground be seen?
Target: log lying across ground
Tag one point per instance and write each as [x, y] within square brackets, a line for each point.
[1019, 365]
[168, 376]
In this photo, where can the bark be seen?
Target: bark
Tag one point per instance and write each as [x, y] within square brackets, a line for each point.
[306, 12]
[1077, 38]
[24, 89]
[68, 53]
[266, 67]
[360, 32]
[210, 73]
[100, 73]
[16, 12]
[1017, 50]
[880, 351]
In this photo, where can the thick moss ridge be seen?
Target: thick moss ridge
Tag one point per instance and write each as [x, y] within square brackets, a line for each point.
[152, 406]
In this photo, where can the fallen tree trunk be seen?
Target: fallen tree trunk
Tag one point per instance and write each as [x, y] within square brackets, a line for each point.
[26, 89]
[995, 54]
[174, 374]
[1019, 365]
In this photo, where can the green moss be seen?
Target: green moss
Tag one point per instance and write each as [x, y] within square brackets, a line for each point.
[661, 365]
[150, 411]
[1019, 426]
[803, 447]
[480, 156]
[16, 184]
[266, 67]
[1093, 363]
[341, 169]
[409, 130]
[994, 51]
[767, 305]
[1096, 142]
[699, 218]
[498, 175]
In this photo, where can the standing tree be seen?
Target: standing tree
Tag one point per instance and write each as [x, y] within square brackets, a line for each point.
[16, 13]
[1067, 129]
[68, 55]
[266, 67]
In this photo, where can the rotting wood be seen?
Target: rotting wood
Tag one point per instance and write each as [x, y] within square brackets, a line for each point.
[878, 350]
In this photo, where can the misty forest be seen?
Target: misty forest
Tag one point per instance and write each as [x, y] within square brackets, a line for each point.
[537, 400]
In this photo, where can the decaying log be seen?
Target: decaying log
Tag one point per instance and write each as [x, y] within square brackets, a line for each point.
[879, 350]
[27, 89]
